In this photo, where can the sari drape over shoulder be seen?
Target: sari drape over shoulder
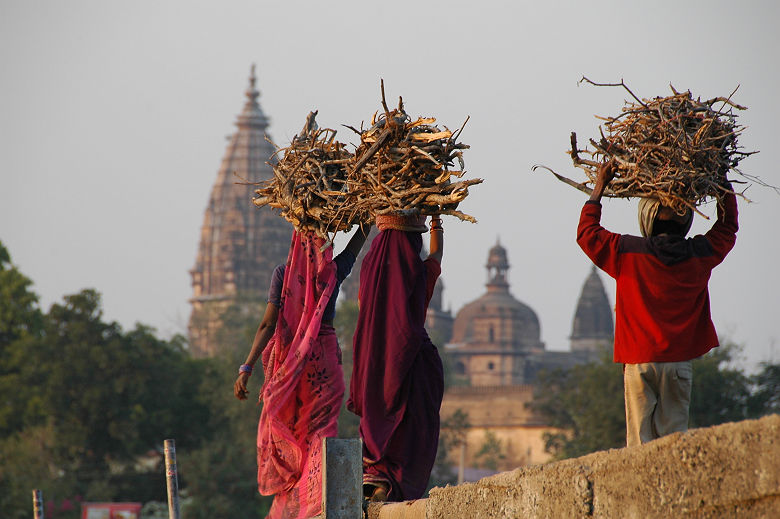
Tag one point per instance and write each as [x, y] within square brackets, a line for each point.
[397, 380]
[303, 386]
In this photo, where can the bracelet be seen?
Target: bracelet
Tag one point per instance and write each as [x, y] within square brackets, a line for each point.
[245, 368]
[437, 229]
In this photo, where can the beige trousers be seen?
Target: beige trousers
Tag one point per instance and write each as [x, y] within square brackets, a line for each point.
[657, 395]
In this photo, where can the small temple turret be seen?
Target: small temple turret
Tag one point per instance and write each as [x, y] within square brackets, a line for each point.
[593, 327]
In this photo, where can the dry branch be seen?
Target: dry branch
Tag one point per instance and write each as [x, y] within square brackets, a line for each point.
[310, 183]
[400, 166]
[408, 165]
[676, 148]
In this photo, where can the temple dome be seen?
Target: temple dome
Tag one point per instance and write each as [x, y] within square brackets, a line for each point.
[497, 319]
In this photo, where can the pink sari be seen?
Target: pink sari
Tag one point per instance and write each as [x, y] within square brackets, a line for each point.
[304, 385]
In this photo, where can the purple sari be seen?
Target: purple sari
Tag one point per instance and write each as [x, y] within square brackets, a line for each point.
[397, 379]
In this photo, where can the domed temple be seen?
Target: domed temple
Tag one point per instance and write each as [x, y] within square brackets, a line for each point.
[239, 244]
[496, 353]
[494, 335]
[496, 338]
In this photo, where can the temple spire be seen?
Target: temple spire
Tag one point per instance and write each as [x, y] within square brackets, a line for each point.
[593, 327]
[252, 115]
[252, 93]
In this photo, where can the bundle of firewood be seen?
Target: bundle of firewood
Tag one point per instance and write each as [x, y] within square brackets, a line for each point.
[676, 148]
[400, 166]
[406, 166]
[310, 183]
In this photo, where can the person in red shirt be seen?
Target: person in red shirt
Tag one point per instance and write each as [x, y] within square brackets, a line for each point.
[662, 302]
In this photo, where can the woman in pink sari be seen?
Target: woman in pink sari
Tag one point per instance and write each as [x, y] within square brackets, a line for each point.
[304, 382]
[397, 379]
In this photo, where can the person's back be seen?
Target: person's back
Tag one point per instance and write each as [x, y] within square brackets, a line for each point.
[662, 304]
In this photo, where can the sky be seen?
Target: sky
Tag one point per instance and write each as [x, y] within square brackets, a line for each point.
[113, 118]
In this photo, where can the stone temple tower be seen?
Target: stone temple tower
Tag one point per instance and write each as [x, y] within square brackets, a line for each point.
[239, 243]
[593, 327]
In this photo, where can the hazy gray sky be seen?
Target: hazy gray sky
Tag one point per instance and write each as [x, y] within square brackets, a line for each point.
[113, 117]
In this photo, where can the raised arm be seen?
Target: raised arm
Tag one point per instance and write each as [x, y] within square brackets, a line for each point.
[604, 175]
[437, 239]
[600, 245]
[723, 234]
[358, 239]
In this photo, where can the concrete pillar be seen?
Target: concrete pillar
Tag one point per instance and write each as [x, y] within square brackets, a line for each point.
[342, 478]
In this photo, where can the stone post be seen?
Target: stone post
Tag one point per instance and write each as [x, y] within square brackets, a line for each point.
[342, 478]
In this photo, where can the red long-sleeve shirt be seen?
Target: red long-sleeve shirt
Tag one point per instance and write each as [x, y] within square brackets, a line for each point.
[662, 304]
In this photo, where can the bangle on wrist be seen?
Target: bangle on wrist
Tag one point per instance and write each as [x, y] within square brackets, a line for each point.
[245, 368]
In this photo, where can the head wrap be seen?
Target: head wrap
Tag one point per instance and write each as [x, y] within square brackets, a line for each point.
[648, 211]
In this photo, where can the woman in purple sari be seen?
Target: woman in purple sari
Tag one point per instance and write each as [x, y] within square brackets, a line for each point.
[397, 379]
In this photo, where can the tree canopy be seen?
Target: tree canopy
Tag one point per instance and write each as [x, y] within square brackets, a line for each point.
[586, 402]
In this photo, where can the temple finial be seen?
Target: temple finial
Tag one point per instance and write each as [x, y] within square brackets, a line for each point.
[252, 93]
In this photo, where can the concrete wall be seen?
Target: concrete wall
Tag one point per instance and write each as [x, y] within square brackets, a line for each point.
[731, 470]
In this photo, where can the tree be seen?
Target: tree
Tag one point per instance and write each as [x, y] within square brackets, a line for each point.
[98, 400]
[20, 318]
[586, 404]
[719, 392]
[19, 312]
[452, 439]
[26, 463]
[345, 323]
[490, 452]
[219, 477]
[766, 396]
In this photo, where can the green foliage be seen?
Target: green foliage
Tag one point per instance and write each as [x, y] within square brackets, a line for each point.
[766, 397]
[455, 427]
[452, 436]
[25, 464]
[108, 395]
[239, 323]
[19, 313]
[490, 453]
[345, 323]
[220, 476]
[720, 392]
[586, 404]
[89, 402]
